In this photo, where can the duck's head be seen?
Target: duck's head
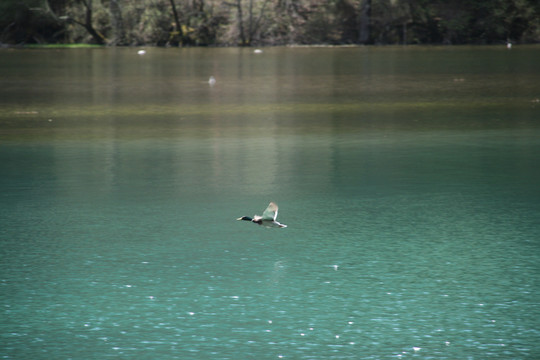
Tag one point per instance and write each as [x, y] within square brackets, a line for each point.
[246, 218]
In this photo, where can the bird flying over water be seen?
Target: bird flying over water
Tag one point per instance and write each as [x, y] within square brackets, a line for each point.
[268, 217]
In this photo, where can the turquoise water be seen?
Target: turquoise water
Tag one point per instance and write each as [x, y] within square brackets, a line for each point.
[409, 185]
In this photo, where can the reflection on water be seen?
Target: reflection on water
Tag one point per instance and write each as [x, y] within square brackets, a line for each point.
[412, 202]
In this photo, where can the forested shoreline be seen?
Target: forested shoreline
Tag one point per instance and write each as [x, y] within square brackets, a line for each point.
[268, 22]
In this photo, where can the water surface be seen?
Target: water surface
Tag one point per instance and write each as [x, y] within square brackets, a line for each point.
[408, 178]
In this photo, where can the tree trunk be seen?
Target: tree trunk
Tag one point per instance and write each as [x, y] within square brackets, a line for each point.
[177, 23]
[98, 37]
[364, 22]
[241, 23]
[250, 22]
[117, 23]
[254, 26]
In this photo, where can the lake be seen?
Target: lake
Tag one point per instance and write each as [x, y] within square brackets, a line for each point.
[408, 178]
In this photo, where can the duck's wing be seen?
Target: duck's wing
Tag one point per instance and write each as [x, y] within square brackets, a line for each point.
[271, 212]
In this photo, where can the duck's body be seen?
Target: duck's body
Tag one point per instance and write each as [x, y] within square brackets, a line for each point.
[268, 218]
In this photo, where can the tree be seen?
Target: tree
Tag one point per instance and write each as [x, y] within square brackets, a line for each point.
[27, 22]
[177, 23]
[364, 22]
[252, 22]
[240, 21]
[70, 17]
[87, 22]
[117, 23]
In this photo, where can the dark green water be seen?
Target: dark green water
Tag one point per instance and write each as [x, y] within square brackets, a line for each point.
[408, 178]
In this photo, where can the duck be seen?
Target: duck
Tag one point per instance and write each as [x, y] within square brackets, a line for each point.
[268, 218]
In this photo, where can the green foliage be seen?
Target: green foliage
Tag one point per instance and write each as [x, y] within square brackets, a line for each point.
[269, 22]
[25, 22]
[62, 46]
[154, 24]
